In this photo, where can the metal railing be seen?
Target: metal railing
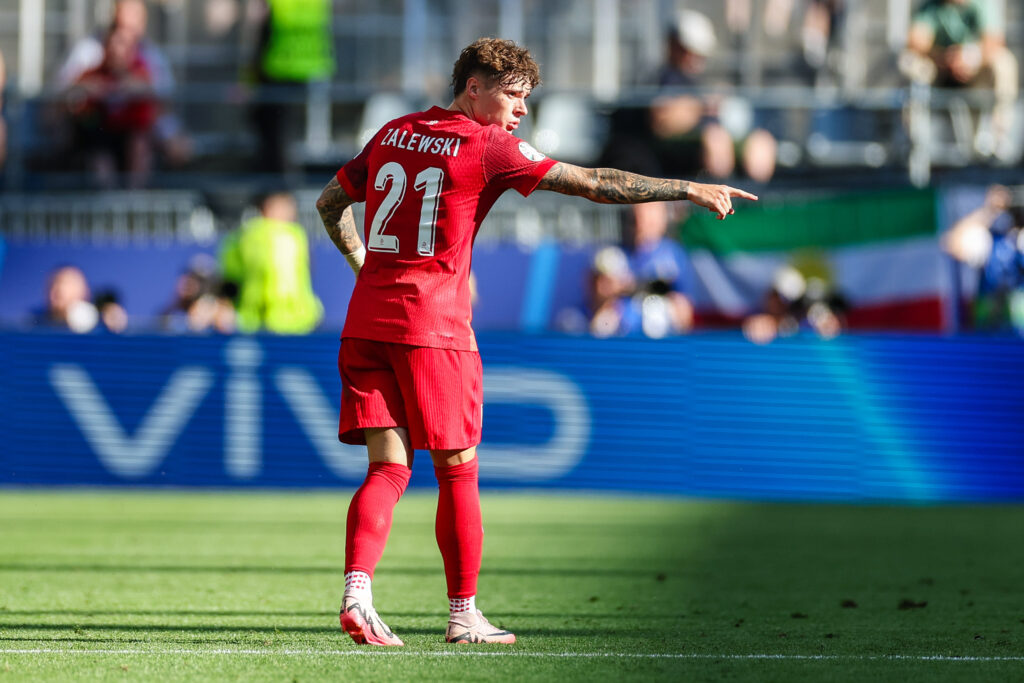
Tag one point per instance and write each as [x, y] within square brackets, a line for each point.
[912, 128]
[158, 217]
[146, 218]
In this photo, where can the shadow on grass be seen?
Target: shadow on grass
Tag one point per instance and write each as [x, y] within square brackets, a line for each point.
[309, 614]
[243, 629]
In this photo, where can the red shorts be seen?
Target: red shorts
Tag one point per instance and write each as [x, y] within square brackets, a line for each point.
[437, 394]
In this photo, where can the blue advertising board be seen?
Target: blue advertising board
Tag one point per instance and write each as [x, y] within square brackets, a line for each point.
[858, 418]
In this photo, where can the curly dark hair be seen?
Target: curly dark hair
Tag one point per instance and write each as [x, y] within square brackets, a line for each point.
[495, 60]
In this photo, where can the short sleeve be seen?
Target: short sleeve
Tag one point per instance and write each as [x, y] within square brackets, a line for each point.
[924, 18]
[990, 20]
[352, 176]
[513, 163]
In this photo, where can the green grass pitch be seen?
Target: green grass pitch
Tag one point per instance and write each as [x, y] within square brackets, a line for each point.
[152, 585]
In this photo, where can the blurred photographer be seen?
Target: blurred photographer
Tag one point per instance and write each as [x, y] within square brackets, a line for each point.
[645, 291]
[68, 304]
[990, 241]
[609, 285]
[662, 271]
[202, 302]
[796, 303]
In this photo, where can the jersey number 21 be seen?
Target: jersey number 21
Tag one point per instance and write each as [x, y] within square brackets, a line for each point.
[428, 181]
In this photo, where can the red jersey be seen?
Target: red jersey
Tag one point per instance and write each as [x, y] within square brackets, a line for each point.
[428, 180]
[115, 110]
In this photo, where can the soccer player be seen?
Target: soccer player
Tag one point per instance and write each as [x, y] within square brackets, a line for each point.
[410, 370]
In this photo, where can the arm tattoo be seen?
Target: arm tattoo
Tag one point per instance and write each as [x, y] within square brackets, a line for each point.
[334, 206]
[612, 186]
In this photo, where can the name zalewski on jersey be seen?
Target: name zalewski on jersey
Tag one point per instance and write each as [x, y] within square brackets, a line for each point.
[417, 142]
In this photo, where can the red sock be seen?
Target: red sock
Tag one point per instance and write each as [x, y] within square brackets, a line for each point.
[369, 515]
[459, 527]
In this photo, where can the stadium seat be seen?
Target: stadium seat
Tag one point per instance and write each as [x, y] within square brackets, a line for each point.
[379, 109]
[568, 128]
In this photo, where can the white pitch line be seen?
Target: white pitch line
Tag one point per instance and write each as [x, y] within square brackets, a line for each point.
[447, 653]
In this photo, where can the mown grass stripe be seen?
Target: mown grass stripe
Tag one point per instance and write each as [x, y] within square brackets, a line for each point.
[491, 653]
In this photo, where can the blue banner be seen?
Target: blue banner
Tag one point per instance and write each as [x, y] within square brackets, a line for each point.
[859, 418]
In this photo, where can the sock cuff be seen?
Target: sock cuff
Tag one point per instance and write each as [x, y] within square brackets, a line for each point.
[466, 604]
[357, 583]
[462, 471]
[358, 568]
[395, 468]
[396, 474]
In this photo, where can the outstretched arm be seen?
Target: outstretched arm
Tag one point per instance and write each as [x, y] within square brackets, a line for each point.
[335, 209]
[612, 186]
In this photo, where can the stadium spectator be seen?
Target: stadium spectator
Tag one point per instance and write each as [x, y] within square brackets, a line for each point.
[202, 301]
[68, 304]
[87, 54]
[818, 24]
[294, 50]
[960, 44]
[113, 108]
[683, 134]
[778, 14]
[818, 34]
[220, 17]
[268, 259]
[410, 369]
[990, 241]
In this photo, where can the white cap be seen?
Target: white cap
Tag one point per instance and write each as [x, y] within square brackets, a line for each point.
[695, 32]
[611, 261]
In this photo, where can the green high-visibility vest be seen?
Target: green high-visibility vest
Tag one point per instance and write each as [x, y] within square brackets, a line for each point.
[269, 259]
[299, 43]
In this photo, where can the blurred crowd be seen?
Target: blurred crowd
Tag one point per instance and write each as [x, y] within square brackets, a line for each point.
[120, 118]
[260, 281]
[701, 125]
[647, 287]
[116, 115]
[119, 115]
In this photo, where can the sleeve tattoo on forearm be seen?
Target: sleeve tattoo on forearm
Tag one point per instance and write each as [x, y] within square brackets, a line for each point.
[334, 206]
[612, 186]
